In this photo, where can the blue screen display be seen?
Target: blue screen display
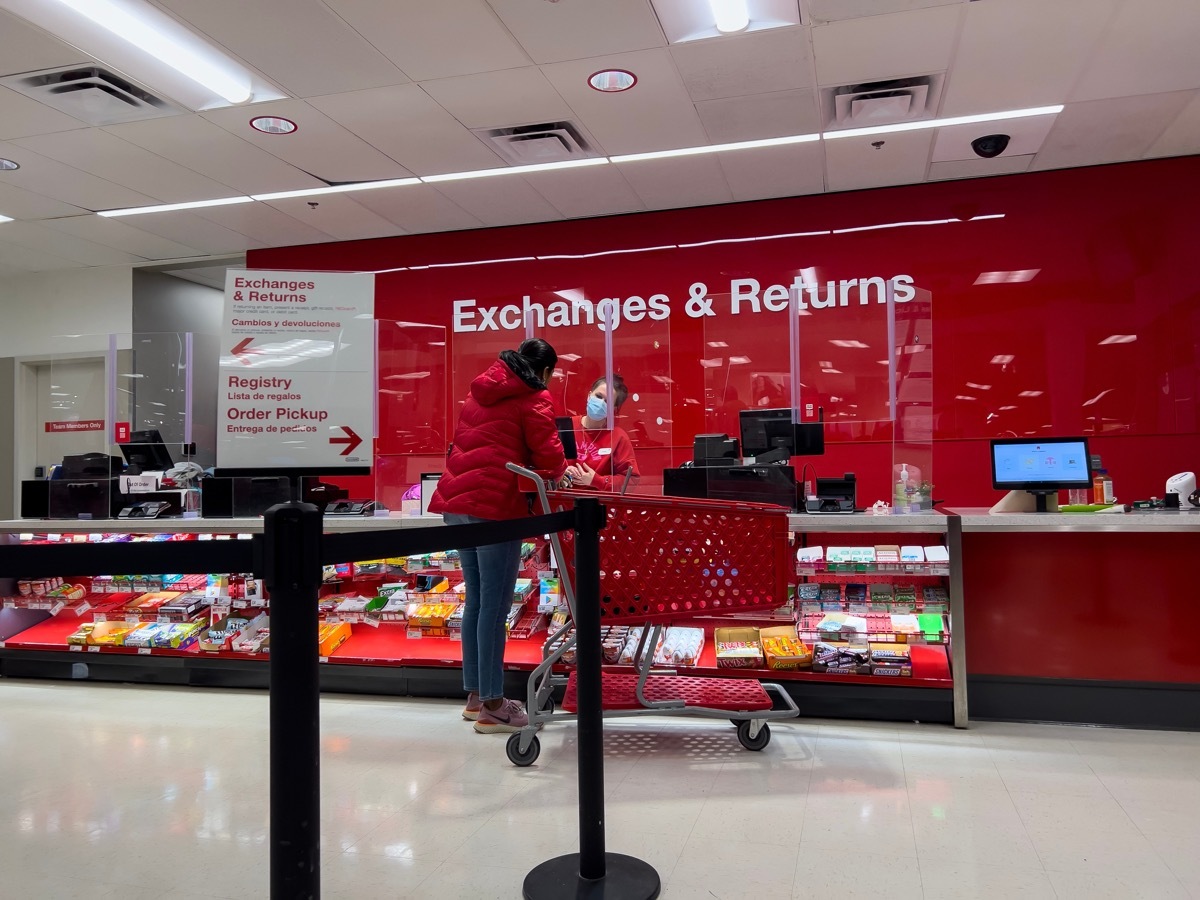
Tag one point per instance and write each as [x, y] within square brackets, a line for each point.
[1048, 462]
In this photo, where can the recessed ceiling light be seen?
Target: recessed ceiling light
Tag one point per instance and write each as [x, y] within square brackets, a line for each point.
[731, 15]
[273, 125]
[612, 81]
[7, 165]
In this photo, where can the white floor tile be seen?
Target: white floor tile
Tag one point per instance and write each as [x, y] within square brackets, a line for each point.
[960, 879]
[821, 872]
[104, 784]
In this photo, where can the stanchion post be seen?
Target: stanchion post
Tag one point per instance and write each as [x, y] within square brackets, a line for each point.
[589, 519]
[592, 873]
[292, 570]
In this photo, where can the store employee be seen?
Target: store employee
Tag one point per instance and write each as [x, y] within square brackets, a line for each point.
[604, 456]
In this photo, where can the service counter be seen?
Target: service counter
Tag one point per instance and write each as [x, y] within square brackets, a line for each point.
[1077, 617]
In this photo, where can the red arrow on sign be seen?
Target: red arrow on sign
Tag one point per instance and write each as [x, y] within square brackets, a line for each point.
[242, 350]
[351, 440]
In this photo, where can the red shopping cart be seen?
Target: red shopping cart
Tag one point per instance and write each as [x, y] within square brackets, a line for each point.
[663, 560]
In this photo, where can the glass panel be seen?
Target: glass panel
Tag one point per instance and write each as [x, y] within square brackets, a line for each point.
[411, 431]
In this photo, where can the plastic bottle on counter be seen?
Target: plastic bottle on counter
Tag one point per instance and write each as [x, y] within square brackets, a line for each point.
[1102, 488]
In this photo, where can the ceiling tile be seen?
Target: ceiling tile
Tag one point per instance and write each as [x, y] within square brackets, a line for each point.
[978, 168]
[657, 114]
[503, 200]
[434, 39]
[499, 99]
[188, 228]
[32, 236]
[761, 116]
[419, 208]
[107, 156]
[15, 256]
[1182, 136]
[555, 32]
[264, 223]
[17, 203]
[1105, 131]
[116, 234]
[881, 47]
[339, 216]
[1026, 138]
[25, 48]
[284, 38]
[774, 171]
[22, 116]
[198, 144]
[776, 60]
[853, 163]
[1022, 53]
[837, 10]
[61, 182]
[592, 191]
[682, 181]
[319, 145]
[1150, 47]
[409, 126]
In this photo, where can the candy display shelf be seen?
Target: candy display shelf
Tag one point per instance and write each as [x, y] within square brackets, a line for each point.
[384, 657]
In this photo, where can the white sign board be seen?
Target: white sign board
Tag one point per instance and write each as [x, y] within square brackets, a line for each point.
[297, 372]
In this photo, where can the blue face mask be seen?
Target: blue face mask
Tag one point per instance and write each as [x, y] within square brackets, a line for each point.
[597, 409]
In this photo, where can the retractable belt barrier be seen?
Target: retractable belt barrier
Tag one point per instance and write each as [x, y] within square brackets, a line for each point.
[289, 556]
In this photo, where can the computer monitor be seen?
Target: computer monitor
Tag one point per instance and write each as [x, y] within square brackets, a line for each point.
[1041, 466]
[565, 426]
[771, 433]
[146, 452]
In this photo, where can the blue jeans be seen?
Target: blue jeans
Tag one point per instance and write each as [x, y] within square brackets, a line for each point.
[490, 573]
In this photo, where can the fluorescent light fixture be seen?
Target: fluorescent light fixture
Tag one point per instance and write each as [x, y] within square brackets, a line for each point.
[173, 207]
[946, 122]
[964, 397]
[714, 363]
[979, 387]
[731, 15]
[856, 345]
[1118, 339]
[739, 360]
[1007, 408]
[825, 364]
[1007, 277]
[516, 170]
[1098, 397]
[141, 31]
[1030, 394]
[832, 371]
[6, 219]
[718, 345]
[1002, 359]
[337, 189]
[717, 148]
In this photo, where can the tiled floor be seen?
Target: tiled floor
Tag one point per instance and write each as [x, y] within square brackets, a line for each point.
[132, 793]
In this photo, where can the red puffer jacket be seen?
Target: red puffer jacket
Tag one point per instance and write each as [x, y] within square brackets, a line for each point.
[504, 420]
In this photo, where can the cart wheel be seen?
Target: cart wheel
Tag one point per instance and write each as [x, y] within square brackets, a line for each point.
[516, 757]
[548, 706]
[758, 742]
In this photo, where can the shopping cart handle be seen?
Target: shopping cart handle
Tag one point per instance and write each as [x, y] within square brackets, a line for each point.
[538, 481]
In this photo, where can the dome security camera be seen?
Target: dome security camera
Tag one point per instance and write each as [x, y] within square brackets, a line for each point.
[990, 145]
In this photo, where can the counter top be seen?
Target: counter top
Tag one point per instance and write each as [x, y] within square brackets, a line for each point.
[978, 519]
[930, 522]
[252, 525]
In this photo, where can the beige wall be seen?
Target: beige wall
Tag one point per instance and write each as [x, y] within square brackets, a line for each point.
[38, 309]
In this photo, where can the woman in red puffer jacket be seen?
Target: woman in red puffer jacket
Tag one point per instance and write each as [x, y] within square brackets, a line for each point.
[508, 417]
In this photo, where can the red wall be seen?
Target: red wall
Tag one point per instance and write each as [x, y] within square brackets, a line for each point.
[1112, 247]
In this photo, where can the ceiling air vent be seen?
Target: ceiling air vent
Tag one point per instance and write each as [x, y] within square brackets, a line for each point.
[881, 102]
[550, 142]
[91, 94]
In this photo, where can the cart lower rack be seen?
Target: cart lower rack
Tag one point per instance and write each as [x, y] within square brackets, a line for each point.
[663, 560]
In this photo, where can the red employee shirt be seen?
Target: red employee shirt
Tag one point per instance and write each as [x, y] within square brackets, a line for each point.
[606, 452]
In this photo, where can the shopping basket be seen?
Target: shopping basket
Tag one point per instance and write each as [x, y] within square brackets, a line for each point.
[662, 560]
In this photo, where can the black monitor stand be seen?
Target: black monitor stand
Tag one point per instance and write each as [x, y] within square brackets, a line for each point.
[1040, 497]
